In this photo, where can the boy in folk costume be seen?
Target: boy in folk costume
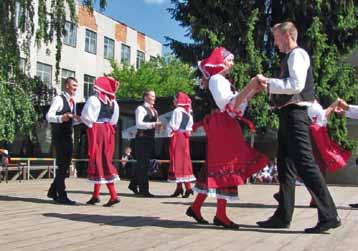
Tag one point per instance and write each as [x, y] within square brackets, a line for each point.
[180, 126]
[100, 114]
[329, 155]
[230, 160]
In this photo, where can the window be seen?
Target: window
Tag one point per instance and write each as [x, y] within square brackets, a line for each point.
[70, 37]
[88, 85]
[22, 65]
[140, 59]
[18, 13]
[91, 42]
[125, 54]
[44, 72]
[108, 48]
[66, 74]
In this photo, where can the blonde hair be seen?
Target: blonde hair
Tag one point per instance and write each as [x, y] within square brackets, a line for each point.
[286, 27]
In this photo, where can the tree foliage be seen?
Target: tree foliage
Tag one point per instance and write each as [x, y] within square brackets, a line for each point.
[166, 76]
[327, 30]
[20, 94]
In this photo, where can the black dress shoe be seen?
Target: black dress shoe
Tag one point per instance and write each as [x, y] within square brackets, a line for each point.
[322, 227]
[187, 193]
[199, 220]
[65, 201]
[52, 193]
[133, 188]
[273, 222]
[177, 192]
[277, 196]
[218, 222]
[111, 203]
[148, 195]
[93, 201]
[354, 205]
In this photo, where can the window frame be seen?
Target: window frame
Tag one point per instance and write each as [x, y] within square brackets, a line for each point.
[87, 48]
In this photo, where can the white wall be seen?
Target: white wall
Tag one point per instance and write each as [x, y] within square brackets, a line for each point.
[78, 60]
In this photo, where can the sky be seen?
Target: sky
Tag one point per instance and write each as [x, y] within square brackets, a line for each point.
[148, 16]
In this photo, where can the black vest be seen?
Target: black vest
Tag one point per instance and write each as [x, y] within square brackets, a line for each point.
[307, 94]
[106, 112]
[64, 128]
[148, 118]
[184, 121]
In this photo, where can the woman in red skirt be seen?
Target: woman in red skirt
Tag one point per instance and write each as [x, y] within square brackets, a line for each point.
[180, 126]
[230, 159]
[100, 114]
[329, 155]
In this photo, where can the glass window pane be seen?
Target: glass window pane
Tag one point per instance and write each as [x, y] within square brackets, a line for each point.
[140, 59]
[70, 37]
[108, 48]
[91, 42]
[88, 85]
[44, 72]
[125, 54]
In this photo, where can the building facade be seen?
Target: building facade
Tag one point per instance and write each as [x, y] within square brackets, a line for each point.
[87, 51]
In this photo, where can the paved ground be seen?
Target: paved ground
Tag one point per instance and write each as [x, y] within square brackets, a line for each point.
[28, 221]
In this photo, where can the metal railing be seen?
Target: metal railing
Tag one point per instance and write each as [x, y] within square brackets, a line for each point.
[27, 163]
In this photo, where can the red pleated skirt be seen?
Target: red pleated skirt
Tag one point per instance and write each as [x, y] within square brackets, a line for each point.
[329, 155]
[180, 168]
[101, 146]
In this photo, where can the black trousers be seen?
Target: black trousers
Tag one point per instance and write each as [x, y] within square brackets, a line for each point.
[144, 151]
[64, 148]
[295, 158]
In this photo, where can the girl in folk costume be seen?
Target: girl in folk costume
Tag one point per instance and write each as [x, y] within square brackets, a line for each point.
[100, 114]
[180, 126]
[329, 155]
[230, 160]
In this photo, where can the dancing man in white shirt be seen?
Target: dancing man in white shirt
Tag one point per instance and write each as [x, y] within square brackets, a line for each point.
[62, 115]
[291, 94]
[146, 117]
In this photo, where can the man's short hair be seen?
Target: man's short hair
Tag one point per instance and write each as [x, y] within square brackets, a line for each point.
[67, 80]
[286, 27]
[146, 93]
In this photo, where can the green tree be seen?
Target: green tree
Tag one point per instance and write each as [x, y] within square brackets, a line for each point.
[20, 95]
[327, 29]
[166, 76]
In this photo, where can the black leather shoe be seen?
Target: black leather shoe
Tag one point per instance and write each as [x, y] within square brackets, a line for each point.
[277, 196]
[199, 220]
[65, 201]
[322, 227]
[111, 203]
[187, 193]
[93, 201]
[52, 193]
[273, 222]
[134, 189]
[354, 205]
[177, 192]
[148, 195]
[232, 225]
